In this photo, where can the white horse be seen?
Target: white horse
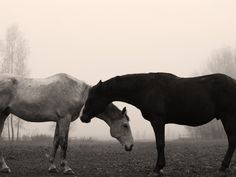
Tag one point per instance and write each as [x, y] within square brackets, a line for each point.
[58, 98]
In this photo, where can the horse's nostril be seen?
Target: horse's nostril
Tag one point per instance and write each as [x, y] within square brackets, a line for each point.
[129, 148]
[84, 119]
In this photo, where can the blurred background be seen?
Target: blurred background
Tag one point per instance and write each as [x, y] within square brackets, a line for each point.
[93, 40]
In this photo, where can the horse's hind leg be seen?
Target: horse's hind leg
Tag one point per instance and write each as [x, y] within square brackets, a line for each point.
[64, 125]
[52, 168]
[229, 124]
[3, 165]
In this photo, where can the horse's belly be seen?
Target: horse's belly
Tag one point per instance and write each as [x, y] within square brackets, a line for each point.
[191, 114]
[34, 114]
[35, 117]
[191, 121]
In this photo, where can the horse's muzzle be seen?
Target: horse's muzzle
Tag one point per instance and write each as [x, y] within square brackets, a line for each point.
[129, 148]
[85, 119]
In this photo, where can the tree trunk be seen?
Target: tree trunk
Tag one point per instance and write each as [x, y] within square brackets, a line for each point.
[11, 71]
[8, 128]
[14, 58]
[12, 128]
[18, 130]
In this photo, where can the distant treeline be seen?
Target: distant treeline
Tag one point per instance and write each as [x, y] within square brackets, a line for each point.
[42, 139]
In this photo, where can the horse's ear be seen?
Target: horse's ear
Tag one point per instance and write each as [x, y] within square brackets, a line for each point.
[97, 86]
[99, 83]
[124, 110]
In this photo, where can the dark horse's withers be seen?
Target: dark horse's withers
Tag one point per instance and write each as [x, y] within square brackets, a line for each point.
[165, 98]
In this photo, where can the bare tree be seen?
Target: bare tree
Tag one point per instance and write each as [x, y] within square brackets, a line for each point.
[14, 59]
[4, 69]
[1, 49]
[223, 61]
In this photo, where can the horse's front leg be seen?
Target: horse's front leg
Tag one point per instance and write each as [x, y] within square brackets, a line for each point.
[52, 168]
[159, 130]
[3, 166]
[64, 125]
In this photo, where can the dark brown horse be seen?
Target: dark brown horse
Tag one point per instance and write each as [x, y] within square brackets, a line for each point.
[165, 98]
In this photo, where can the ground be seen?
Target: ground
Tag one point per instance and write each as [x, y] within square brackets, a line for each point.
[98, 159]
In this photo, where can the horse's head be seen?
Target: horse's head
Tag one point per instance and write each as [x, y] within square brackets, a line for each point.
[118, 121]
[119, 125]
[94, 105]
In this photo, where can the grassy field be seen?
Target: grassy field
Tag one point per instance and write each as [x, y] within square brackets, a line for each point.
[98, 159]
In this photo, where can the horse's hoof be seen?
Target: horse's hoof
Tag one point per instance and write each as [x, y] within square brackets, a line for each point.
[68, 171]
[5, 170]
[225, 170]
[52, 170]
[224, 173]
[222, 169]
[156, 174]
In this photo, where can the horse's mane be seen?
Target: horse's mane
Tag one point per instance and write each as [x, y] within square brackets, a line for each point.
[132, 82]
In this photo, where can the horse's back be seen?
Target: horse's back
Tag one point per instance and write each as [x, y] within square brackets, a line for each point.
[47, 99]
[197, 100]
[59, 85]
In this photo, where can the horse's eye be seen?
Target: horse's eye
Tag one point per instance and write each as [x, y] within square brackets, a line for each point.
[125, 126]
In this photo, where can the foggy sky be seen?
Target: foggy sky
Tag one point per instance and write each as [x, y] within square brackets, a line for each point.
[95, 40]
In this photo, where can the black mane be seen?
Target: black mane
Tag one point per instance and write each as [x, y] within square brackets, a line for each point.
[132, 82]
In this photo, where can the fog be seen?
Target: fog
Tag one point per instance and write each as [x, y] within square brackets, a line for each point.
[94, 40]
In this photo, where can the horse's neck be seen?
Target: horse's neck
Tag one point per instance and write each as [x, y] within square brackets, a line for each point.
[81, 92]
[85, 93]
[110, 114]
[123, 90]
[105, 117]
